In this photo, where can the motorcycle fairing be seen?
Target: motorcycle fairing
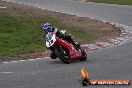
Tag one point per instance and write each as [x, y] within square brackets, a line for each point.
[73, 53]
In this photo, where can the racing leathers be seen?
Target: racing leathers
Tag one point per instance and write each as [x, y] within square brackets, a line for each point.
[62, 34]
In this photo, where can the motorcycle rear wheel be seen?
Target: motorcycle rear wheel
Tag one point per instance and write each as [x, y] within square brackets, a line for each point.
[84, 55]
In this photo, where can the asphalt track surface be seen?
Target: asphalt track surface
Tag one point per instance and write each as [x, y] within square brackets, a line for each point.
[110, 63]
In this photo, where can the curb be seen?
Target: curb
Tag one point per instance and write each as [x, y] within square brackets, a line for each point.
[125, 36]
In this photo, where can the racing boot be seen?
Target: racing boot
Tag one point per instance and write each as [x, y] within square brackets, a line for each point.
[70, 39]
[76, 45]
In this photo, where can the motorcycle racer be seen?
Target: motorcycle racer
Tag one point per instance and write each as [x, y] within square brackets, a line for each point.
[60, 34]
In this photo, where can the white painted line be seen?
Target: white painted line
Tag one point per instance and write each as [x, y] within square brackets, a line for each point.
[42, 58]
[93, 47]
[31, 59]
[46, 57]
[33, 73]
[2, 7]
[38, 58]
[5, 62]
[14, 61]
[25, 60]
[6, 72]
[22, 60]
[105, 44]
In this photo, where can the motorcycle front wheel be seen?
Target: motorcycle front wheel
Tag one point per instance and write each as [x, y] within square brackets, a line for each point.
[62, 54]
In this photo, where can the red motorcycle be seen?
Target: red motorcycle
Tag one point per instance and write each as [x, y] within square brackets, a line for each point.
[64, 50]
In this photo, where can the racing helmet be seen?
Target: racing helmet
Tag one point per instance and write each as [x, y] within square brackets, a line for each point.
[47, 27]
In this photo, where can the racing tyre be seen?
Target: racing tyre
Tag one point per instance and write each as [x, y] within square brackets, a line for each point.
[62, 54]
[53, 56]
[84, 55]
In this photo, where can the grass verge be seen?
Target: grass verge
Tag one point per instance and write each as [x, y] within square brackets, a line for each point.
[120, 2]
[24, 34]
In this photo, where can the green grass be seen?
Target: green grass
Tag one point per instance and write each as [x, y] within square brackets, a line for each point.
[24, 34]
[82, 36]
[121, 2]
